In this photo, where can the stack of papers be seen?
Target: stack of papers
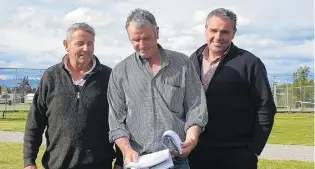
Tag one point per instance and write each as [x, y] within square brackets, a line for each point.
[161, 159]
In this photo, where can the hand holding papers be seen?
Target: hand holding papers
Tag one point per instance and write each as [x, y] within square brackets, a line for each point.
[161, 159]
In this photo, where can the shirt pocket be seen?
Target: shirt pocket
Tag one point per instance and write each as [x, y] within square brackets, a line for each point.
[173, 96]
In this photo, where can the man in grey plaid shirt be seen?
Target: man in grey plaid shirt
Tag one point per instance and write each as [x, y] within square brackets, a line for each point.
[151, 91]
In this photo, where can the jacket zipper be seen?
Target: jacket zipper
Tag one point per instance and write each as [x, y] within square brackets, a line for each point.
[80, 91]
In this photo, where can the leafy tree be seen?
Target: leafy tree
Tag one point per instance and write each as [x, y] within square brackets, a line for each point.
[24, 86]
[304, 87]
[300, 77]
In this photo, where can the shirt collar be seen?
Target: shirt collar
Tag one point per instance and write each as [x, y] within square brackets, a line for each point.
[205, 52]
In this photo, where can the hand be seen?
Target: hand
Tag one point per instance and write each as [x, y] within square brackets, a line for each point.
[118, 167]
[31, 167]
[131, 156]
[187, 146]
[191, 141]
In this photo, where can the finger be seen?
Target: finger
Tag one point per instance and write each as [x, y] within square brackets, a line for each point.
[127, 159]
[134, 157]
[174, 153]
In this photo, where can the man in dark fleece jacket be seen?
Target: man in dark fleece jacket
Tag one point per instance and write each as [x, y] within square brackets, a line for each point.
[71, 103]
[239, 100]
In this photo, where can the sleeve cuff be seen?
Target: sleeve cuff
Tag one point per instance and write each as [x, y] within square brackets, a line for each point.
[118, 133]
[29, 162]
[197, 123]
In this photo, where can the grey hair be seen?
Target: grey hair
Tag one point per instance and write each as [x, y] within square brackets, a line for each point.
[79, 26]
[142, 18]
[225, 13]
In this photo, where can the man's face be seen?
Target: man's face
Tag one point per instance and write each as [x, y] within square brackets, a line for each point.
[219, 33]
[80, 47]
[143, 40]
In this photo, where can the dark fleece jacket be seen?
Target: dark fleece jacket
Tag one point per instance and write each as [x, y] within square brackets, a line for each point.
[75, 119]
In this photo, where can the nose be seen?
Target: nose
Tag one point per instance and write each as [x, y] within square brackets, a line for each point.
[85, 47]
[141, 44]
[218, 35]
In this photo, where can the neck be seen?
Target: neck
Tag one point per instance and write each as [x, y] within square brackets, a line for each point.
[155, 58]
[214, 55]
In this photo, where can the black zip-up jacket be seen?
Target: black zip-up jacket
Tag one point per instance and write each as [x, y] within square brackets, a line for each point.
[240, 104]
[75, 119]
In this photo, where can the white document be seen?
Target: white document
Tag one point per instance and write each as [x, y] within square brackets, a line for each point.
[170, 134]
[153, 159]
[161, 159]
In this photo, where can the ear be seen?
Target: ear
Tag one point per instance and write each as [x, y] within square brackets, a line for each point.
[206, 27]
[234, 31]
[65, 45]
[157, 32]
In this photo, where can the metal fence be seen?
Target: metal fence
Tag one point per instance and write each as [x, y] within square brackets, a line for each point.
[293, 98]
[18, 84]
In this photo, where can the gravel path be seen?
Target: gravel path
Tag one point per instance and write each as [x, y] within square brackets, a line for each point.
[271, 151]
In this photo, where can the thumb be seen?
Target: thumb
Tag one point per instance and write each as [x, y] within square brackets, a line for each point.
[186, 143]
[134, 157]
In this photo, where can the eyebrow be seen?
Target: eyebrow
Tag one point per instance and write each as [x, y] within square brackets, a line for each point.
[223, 30]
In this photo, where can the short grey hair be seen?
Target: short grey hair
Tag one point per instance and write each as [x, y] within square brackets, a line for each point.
[79, 26]
[142, 18]
[225, 13]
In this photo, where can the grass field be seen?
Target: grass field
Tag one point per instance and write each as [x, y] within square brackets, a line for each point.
[13, 121]
[14, 107]
[297, 129]
[294, 128]
[13, 159]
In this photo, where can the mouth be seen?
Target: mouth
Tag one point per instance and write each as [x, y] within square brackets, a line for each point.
[144, 49]
[85, 55]
[217, 44]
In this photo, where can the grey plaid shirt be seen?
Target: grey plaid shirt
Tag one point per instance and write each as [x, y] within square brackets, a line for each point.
[143, 106]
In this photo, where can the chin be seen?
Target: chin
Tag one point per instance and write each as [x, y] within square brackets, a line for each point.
[216, 50]
[83, 61]
[145, 55]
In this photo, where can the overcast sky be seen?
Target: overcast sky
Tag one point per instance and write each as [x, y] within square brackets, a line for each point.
[280, 32]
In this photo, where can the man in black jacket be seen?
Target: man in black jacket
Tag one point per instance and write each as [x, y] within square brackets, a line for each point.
[240, 104]
[71, 103]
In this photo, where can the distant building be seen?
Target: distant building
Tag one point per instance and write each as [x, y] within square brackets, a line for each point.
[28, 98]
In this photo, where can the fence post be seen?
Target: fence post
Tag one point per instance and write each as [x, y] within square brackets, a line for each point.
[14, 95]
[275, 94]
[287, 91]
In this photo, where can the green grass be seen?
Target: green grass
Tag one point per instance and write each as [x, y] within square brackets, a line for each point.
[271, 164]
[294, 129]
[289, 128]
[22, 106]
[13, 121]
[13, 159]
[12, 156]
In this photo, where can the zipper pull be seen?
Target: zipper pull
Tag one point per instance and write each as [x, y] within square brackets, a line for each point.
[78, 95]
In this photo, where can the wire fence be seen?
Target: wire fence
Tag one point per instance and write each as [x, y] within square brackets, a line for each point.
[17, 86]
[293, 98]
